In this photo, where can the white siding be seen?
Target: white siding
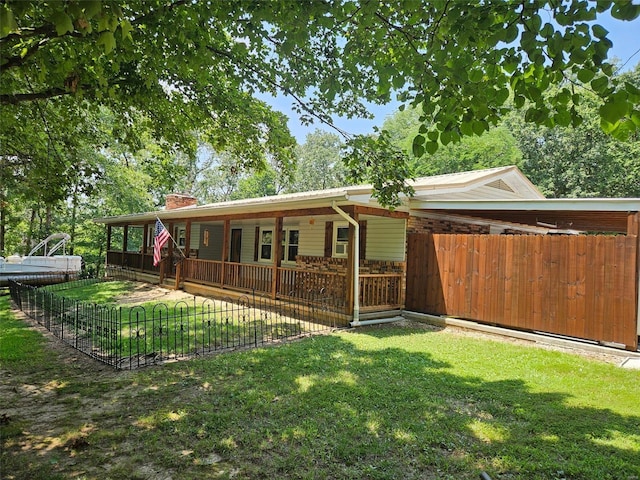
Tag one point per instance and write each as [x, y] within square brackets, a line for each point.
[385, 238]
[248, 239]
[482, 192]
[312, 236]
[194, 242]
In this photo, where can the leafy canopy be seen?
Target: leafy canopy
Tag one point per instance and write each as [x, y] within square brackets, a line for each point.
[189, 65]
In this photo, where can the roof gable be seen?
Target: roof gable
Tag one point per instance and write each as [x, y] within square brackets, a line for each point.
[489, 184]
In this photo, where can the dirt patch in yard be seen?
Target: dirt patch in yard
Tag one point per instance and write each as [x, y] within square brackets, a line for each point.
[146, 292]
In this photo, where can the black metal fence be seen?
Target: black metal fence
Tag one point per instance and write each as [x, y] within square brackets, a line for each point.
[129, 337]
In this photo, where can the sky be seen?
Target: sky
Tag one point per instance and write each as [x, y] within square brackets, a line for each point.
[626, 47]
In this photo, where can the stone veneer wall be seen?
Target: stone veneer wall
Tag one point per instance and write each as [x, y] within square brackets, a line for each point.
[439, 225]
[339, 265]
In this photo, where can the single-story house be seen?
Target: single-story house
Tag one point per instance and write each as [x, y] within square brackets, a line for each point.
[484, 245]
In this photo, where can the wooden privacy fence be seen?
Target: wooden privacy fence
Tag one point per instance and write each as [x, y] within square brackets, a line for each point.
[581, 286]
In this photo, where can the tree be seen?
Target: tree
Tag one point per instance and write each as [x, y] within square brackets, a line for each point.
[569, 161]
[319, 163]
[196, 65]
[579, 161]
[494, 148]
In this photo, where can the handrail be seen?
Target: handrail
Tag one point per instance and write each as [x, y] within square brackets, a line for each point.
[63, 237]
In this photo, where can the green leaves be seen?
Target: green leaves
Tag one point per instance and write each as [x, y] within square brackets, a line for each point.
[7, 21]
[107, 40]
[418, 145]
[599, 31]
[379, 162]
[475, 75]
[62, 22]
[189, 65]
[625, 10]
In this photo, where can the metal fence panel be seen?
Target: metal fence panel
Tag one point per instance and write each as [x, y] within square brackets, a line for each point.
[132, 337]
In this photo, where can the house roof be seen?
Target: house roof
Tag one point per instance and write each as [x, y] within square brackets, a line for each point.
[493, 183]
[501, 194]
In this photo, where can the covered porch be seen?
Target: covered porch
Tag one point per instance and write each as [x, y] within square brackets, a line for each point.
[304, 253]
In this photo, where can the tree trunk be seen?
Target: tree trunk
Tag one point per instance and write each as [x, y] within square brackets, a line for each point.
[47, 225]
[74, 210]
[3, 221]
[27, 240]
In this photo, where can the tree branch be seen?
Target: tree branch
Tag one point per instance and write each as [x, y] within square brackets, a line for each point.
[25, 33]
[18, 60]
[287, 91]
[16, 98]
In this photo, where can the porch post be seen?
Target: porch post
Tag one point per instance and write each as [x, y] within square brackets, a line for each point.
[277, 255]
[145, 239]
[187, 238]
[226, 231]
[353, 262]
[108, 237]
[106, 256]
[170, 244]
[125, 240]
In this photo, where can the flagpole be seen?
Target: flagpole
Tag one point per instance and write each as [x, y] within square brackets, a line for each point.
[171, 237]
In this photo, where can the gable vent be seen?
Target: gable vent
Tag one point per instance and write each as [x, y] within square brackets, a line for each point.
[500, 185]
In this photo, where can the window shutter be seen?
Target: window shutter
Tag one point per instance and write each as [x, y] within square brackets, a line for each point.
[328, 239]
[256, 245]
[363, 239]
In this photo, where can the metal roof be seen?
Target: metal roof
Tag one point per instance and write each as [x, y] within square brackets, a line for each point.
[504, 189]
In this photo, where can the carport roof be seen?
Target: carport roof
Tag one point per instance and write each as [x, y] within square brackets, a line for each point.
[585, 214]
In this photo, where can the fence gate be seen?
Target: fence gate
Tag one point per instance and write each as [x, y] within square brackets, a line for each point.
[576, 285]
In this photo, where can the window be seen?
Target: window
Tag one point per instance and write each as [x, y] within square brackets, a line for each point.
[340, 240]
[266, 242]
[180, 234]
[290, 242]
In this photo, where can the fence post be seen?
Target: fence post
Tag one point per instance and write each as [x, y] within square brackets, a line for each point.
[75, 337]
[62, 314]
[119, 315]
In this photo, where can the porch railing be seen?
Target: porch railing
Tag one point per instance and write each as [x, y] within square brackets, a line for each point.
[381, 290]
[208, 272]
[133, 260]
[247, 277]
[377, 291]
[295, 282]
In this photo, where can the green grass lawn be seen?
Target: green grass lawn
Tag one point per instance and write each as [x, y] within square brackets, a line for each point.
[375, 403]
[103, 293]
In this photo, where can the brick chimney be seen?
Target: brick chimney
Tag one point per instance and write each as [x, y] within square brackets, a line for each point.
[179, 200]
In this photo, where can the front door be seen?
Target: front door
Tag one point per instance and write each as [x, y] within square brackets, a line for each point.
[236, 245]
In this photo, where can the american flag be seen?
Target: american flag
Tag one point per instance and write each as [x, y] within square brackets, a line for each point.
[161, 237]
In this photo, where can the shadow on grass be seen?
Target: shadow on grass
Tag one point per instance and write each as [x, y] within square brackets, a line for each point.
[325, 408]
